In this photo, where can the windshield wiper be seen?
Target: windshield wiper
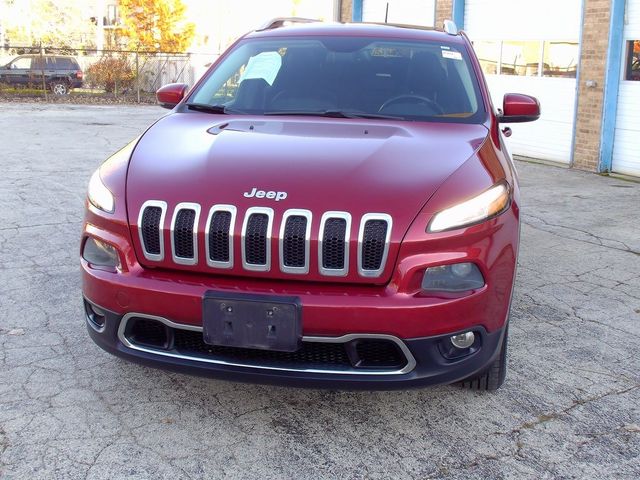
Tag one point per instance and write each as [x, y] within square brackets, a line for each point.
[206, 108]
[333, 114]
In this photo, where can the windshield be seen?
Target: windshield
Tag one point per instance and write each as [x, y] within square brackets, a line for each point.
[344, 77]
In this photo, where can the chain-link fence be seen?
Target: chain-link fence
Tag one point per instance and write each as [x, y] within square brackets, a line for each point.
[119, 74]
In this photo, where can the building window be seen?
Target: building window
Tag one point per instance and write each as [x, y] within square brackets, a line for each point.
[489, 56]
[113, 17]
[530, 58]
[633, 60]
[521, 58]
[560, 59]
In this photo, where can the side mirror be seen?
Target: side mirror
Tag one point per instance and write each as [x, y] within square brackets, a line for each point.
[518, 108]
[172, 94]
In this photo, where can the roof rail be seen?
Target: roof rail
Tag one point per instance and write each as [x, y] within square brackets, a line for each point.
[282, 21]
[450, 27]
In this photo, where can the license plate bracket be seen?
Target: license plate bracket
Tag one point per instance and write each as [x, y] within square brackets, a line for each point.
[265, 322]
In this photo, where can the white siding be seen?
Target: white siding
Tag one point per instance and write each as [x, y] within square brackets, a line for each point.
[409, 12]
[549, 138]
[523, 19]
[626, 147]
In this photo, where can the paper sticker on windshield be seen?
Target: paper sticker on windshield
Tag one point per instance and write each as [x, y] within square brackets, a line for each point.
[264, 65]
[452, 55]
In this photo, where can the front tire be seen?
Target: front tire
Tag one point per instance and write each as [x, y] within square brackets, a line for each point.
[59, 87]
[492, 378]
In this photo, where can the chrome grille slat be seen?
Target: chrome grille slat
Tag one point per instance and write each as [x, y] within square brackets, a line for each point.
[256, 239]
[219, 236]
[184, 233]
[333, 244]
[151, 229]
[294, 242]
[373, 243]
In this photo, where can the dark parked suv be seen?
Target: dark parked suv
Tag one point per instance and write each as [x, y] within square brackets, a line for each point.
[61, 73]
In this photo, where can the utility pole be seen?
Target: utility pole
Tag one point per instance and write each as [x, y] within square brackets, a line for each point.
[100, 25]
[42, 65]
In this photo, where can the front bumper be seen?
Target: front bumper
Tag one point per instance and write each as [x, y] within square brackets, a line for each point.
[425, 362]
[398, 309]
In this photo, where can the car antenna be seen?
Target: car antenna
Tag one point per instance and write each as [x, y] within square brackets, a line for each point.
[386, 13]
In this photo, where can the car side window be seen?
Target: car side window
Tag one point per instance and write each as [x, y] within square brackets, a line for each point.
[64, 64]
[23, 63]
[38, 63]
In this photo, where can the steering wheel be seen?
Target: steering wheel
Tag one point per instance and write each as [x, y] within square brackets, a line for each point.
[422, 99]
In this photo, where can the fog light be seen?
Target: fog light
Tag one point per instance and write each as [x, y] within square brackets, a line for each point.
[463, 340]
[100, 253]
[461, 269]
[458, 277]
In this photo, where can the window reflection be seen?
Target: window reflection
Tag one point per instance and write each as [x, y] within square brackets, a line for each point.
[524, 58]
[560, 59]
[488, 55]
[633, 60]
[521, 58]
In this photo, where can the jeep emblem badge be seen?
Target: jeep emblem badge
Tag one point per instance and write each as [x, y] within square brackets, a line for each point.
[277, 196]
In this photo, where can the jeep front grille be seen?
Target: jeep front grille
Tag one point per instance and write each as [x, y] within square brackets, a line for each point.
[257, 236]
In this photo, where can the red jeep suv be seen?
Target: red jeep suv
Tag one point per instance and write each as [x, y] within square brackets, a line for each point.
[330, 205]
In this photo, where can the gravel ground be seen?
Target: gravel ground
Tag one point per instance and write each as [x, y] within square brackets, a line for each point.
[569, 408]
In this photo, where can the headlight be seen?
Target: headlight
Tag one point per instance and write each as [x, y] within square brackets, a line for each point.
[99, 195]
[488, 204]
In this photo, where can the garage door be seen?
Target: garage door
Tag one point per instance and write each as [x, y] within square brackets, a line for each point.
[409, 12]
[626, 147]
[525, 49]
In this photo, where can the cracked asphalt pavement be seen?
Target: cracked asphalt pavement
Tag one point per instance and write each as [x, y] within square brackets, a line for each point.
[569, 407]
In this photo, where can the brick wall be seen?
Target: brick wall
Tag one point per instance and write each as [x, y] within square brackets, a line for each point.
[595, 39]
[444, 11]
[346, 10]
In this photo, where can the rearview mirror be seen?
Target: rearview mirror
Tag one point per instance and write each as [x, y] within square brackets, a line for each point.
[172, 94]
[518, 108]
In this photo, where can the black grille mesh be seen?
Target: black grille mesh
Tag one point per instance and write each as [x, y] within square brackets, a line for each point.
[293, 243]
[380, 354]
[311, 354]
[151, 229]
[333, 244]
[219, 236]
[147, 332]
[183, 233]
[373, 243]
[255, 242]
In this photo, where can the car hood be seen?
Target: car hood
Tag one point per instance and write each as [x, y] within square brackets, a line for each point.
[356, 166]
